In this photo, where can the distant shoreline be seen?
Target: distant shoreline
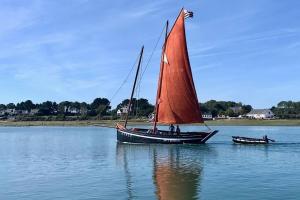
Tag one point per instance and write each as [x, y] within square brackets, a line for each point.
[112, 123]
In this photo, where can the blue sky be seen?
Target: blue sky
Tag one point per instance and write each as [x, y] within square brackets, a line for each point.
[78, 50]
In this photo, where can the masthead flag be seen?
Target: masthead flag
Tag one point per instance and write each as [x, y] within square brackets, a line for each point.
[188, 14]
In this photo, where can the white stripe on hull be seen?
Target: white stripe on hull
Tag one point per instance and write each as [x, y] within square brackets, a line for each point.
[159, 138]
[247, 141]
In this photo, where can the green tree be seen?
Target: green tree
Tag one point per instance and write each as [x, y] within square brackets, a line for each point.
[64, 107]
[142, 107]
[246, 109]
[287, 110]
[46, 108]
[100, 106]
[230, 113]
[139, 107]
[28, 105]
[11, 106]
[2, 107]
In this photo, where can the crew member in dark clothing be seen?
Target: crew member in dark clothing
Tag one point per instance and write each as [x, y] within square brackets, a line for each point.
[171, 128]
[266, 138]
[177, 130]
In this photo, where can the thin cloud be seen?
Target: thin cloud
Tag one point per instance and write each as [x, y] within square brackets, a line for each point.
[16, 18]
[205, 67]
[247, 40]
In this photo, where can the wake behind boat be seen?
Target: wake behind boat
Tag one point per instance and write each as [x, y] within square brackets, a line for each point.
[176, 99]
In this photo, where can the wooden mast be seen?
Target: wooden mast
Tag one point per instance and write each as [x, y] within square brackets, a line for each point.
[160, 79]
[133, 88]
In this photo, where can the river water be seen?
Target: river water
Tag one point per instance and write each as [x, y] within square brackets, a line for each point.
[87, 163]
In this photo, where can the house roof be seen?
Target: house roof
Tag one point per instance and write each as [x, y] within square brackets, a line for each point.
[260, 111]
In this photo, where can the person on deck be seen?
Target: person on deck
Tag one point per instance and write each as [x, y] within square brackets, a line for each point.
[177, 130]
[171, 128]
[266, 138]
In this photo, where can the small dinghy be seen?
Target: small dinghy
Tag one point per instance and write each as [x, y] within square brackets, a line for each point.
[247, 140]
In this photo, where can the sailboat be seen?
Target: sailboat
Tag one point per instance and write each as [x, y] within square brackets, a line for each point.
[176, 99]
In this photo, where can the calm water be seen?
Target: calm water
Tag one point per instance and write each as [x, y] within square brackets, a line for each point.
[86, 163]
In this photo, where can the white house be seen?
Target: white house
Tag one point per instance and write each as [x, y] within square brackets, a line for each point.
[74, 110]
[22, 112]
[34, 111]
[261, 114]
[207, 116]
[10, 111]
[119, 112]
[122, 111]
[2, 112]
[221, 117]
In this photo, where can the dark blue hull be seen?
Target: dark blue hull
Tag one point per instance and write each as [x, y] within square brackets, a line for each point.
[247, 140]
[162, 137]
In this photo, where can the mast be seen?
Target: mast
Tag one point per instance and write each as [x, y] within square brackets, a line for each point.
[160, 78]
[133, 88]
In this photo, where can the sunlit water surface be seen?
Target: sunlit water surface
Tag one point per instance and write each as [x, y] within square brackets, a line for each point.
[87, 163]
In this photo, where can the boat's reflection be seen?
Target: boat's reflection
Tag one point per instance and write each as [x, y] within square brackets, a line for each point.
[176, 171]
[174, 178]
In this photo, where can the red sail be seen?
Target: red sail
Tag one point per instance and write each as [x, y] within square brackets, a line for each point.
[176, 182]
[177, 99]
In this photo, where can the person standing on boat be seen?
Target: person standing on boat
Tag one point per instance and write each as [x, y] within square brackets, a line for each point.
[177, 130]
[171, 128]
[266, 138]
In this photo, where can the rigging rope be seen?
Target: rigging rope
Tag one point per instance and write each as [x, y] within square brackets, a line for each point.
[122, 84]
[140, 80]
[207, 126]
[151, 55]
[138, 88]
[124, 81]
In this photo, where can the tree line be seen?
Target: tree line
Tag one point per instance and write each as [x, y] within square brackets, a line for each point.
[100, 108]
[226, 108]
[67, 110]
[67, 107]
[287, 110]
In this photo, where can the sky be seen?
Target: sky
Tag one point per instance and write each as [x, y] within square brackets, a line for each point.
[246, 51]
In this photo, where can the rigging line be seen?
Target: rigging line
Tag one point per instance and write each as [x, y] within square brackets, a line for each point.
[124, 81]
[142, 74]
[206, 125]
[122, 84]
[151, 55]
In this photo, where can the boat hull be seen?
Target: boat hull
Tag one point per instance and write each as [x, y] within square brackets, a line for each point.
[162, 137]
[245, 140]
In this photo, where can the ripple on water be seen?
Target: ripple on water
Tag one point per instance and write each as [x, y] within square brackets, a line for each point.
[87, 163]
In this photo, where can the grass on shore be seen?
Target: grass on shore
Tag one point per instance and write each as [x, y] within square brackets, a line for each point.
[112, 123]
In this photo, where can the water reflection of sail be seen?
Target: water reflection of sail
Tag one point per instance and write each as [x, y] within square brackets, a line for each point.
[174, 179]
[176, 170]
